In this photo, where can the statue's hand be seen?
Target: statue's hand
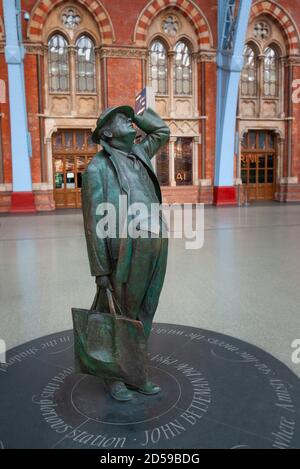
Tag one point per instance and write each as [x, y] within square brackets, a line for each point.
[137, 120]
[103, 282]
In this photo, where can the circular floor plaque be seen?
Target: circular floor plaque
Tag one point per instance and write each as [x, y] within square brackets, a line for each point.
[217, 392]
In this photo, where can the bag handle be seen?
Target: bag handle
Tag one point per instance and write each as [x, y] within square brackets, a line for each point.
[110, 299]
[111, 304]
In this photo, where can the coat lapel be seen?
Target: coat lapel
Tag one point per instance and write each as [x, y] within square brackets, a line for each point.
[114, 159]
[136, 150]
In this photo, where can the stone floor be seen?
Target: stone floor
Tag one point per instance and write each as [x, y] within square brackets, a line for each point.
[244, 281]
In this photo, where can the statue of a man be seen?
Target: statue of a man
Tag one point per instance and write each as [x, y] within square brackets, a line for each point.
[134, 268]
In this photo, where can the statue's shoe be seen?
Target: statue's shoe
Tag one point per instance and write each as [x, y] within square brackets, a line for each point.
[147, 388]
[118, 390]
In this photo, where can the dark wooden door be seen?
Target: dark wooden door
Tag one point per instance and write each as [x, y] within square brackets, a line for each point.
[72, 150]
[258, 165]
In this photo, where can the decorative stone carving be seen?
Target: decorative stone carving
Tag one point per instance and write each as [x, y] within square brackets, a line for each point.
[261, 30]
[170, 25]
[86, 105]
[185, 128]
[161, 106]
[183, 107]
[122, 52]
[293, 59]
[60, 105]
[206, 56]
[70, 18]
[35, 48]
[248, 108]
[269, 109]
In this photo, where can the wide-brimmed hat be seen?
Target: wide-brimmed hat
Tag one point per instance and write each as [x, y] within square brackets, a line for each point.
[106, 115]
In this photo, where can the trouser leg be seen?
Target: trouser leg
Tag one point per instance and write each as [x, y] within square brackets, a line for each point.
[153, 291]
[146, 279]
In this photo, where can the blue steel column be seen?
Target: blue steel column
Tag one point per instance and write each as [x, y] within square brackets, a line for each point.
[232, 27]
[22, 196]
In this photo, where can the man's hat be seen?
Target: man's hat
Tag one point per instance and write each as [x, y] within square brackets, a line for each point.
[106, 115]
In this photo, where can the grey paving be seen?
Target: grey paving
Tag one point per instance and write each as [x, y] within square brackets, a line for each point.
[244, 282]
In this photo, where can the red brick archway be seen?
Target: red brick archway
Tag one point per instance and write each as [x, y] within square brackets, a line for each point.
[43, 8]
[283, 18]
[187, 8]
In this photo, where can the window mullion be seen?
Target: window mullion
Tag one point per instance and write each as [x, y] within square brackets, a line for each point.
[260, 84]
[171, 64]
[72, 75]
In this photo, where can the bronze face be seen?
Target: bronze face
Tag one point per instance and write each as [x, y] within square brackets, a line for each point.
[123, 132]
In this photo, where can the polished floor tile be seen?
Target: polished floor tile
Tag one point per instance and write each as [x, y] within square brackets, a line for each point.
[243, 282]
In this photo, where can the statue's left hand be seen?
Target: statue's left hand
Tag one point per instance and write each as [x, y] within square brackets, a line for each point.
[103, 282]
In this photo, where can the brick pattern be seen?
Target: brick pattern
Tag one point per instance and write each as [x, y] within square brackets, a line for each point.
[31, 89]
[5, 202]
[283, 18]
[1, 28]
[211, 106]
[296, 130]
[206, 195]
[288, 193]
[1, 21]
[4, 109]
[180, 194]
[124, 81]
[188, 9]
[44, 7]
[44, 200]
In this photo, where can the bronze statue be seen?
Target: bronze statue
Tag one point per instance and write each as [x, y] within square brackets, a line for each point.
[133, 269]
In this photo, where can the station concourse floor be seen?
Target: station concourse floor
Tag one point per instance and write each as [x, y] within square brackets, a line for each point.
[244, 282]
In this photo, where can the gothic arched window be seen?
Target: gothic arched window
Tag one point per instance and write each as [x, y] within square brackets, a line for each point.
[182, 69]
[249, 73]
[158, 64]
[270, 72]
[85, 65]
[58, 65]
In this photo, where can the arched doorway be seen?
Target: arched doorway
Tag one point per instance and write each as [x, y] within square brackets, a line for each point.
[72, 150]
[258, 164]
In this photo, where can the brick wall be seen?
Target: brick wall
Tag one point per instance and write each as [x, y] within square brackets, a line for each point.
[211, 95]
[296, 131]
[31, 87]
[4, 109]
[124, 80]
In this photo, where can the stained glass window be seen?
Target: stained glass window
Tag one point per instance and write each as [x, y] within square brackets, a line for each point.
[182, 69]
[249, 73]
[270, 72]
[85, 65]
[58, 66]
[158, 68]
